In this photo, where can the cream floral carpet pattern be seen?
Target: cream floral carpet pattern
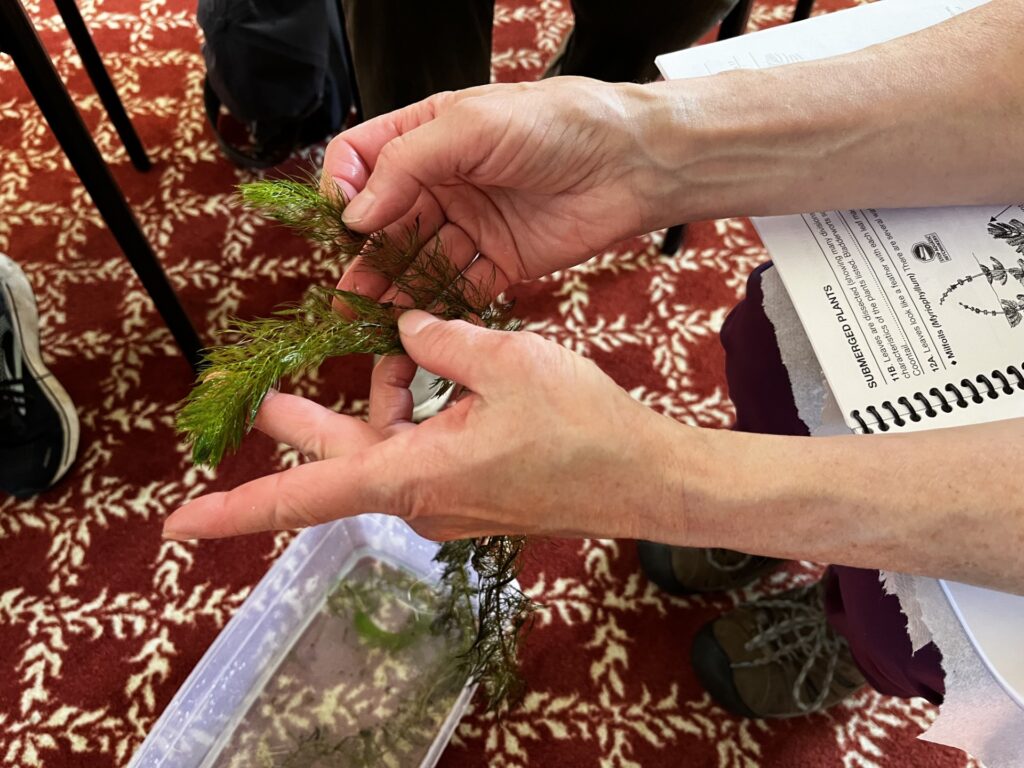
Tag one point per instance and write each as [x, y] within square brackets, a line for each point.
[101, 620]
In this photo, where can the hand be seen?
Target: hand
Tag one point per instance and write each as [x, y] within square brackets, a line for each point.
[534, 177]
[546, 443]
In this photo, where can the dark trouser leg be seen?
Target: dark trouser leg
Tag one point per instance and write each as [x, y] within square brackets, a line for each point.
[876, 631]
[405, 51]
[758, 383]
[871, 622]
[618, 42]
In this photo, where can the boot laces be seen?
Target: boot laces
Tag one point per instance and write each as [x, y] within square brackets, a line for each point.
[796, 630]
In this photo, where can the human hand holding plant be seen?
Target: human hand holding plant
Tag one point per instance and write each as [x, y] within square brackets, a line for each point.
[534, 177]
[545, 443]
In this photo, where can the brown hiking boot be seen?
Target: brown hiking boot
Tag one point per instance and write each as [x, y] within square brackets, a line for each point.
[683, 570]
[776, 657]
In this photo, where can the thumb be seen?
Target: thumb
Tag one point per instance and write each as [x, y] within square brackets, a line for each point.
[454, 349]
[423, 157]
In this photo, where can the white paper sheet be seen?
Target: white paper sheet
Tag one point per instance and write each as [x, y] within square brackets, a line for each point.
[820, 37]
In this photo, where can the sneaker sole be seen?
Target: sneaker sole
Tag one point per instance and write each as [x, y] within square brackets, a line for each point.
[714, 672]
[656, 563]
[19, 297]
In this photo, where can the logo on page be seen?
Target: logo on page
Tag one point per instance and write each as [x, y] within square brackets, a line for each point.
[930, 249]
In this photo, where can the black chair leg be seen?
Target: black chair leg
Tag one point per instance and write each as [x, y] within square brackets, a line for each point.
[735, 23]
[22, 43]
[350, 64]
[79, 34]
[673, 239]
[803, 9]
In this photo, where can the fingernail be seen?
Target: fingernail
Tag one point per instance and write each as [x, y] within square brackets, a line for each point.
[345, 187]
[414, 321]
[176, 527]
[175, 535]
[360, 206]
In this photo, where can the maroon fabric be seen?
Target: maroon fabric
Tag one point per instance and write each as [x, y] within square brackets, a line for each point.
[758, 383]
[876, 629]
[101, 621]
[855, 603]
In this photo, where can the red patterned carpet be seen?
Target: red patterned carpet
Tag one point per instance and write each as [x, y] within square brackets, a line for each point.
[101, 621]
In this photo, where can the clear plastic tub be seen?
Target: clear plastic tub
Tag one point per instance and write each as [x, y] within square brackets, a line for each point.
[286, 677]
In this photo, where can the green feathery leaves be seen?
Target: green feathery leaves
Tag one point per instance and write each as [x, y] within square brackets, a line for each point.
[235, 378]
[297, 339]
[503, 612]
[300, 205]
[223, 405]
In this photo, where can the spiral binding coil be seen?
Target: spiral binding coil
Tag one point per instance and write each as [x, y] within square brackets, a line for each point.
[929, 405]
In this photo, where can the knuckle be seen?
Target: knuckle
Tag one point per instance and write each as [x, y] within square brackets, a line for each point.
[418, 494]
[313, 446]
[527, 351]
[439, 101]
[391, 153]
[289, 509]
[415, 505]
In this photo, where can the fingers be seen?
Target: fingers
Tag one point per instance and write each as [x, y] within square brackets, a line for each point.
[430, 154]
[487, 278]
[369, 137]
[305, 495]
[459, 251]
[456, 350]
[360, 276]
[317, 432]
[352, 154]
[391, 401]
[344, 169]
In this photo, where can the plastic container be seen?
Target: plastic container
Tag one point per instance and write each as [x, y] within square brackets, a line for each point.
[235, 683]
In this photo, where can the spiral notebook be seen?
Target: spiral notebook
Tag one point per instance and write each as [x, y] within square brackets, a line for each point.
[915, 315]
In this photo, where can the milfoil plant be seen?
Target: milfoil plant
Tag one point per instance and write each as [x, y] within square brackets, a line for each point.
[479, 576]
[1012, 233]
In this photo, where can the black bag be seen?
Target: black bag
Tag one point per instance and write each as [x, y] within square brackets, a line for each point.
[280, 67]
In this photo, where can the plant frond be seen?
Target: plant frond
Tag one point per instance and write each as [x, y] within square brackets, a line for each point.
[488, 612]
[301, 205]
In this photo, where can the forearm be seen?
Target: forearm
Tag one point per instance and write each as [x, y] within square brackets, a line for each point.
[945, 503]
[934, 118]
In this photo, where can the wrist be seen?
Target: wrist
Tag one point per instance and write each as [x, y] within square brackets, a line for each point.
[682, 468]
[745, 142]
[722, 489]
[713, 156]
